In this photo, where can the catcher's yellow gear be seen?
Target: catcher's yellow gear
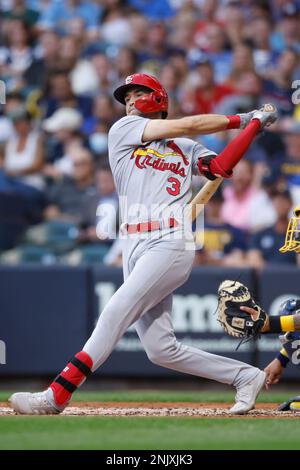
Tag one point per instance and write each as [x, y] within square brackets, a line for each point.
[292, 237]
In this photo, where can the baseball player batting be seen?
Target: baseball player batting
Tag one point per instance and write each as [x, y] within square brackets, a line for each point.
[152, 162]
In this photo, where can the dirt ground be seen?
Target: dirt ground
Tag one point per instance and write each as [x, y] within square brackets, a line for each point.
[262, 410]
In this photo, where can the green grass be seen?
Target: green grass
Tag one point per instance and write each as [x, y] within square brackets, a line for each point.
[147, 433]
[167, 396]
[155, 433]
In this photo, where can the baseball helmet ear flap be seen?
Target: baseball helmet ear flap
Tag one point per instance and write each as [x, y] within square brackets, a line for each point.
[155, 101]
[151, 103]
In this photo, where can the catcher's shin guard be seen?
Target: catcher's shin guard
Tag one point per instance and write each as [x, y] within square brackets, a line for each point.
[73, 375]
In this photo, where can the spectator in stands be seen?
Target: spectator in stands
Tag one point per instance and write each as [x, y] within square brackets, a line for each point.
[170, 77]
[224, 245]
[41, 67]
[97, 127]
[66, 196]
[242, 62]
[157, 49]
[68, 53]
[58, 93]
[115, 26]
[207, 18]
[104, 72]
[259, 33]
[156, 10]
[138, 35]
[245, 206]
[182, 33]
[233, 22]
[99, 210]
[277, 88]
[23, 158]
[17, 56]
[126, 63]
[217, 52]
[248, 95]
[13, 100]
[203, 94]
[59, 14]
[287, 33]
[21, 11]
[65, 126]
[290, 167]
[265, 244]
[104, 114]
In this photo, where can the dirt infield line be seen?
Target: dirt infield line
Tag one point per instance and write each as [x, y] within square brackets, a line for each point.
[212, 410]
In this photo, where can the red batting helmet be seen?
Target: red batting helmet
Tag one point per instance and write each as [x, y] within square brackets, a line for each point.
[152, 103]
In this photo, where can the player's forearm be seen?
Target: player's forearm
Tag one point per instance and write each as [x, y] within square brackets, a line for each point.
[209, 123]
[188, 126]
[279, 323]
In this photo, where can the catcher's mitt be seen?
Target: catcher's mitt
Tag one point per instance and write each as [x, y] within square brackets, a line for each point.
[231, 296]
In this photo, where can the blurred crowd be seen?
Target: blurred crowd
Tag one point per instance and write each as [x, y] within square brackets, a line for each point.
[60, 61]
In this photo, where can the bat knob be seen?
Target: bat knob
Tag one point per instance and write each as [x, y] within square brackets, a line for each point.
[269, 108]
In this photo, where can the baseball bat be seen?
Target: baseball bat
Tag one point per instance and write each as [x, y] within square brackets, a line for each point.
[196, 205]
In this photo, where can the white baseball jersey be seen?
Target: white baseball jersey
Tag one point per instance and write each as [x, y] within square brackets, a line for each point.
[154, 175]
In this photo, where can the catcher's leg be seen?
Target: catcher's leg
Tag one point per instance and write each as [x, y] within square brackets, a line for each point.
[293, 404]
[156, 332]
[156, 274]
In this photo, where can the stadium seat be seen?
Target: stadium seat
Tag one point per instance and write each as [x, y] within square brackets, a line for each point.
[59, 236]
[28, 254]
[89, 254]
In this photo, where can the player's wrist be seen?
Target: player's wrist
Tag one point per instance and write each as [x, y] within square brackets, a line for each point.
[274, 324]
[234, 121]
[266, 326]
[284, 360]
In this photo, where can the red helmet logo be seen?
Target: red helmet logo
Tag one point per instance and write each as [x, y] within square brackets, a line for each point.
[153, 102]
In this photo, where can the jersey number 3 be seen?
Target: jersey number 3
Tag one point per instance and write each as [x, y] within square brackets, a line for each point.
[174, 190]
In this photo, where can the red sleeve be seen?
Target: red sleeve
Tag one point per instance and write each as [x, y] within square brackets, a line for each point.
[223, 164]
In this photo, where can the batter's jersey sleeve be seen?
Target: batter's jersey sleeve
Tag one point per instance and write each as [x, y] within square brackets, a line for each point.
[127, 132]
[199, 151]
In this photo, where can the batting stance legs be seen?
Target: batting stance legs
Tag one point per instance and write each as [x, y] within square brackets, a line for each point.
[153, 270]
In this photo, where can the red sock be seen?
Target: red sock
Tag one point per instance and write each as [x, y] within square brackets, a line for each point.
[73, 375]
